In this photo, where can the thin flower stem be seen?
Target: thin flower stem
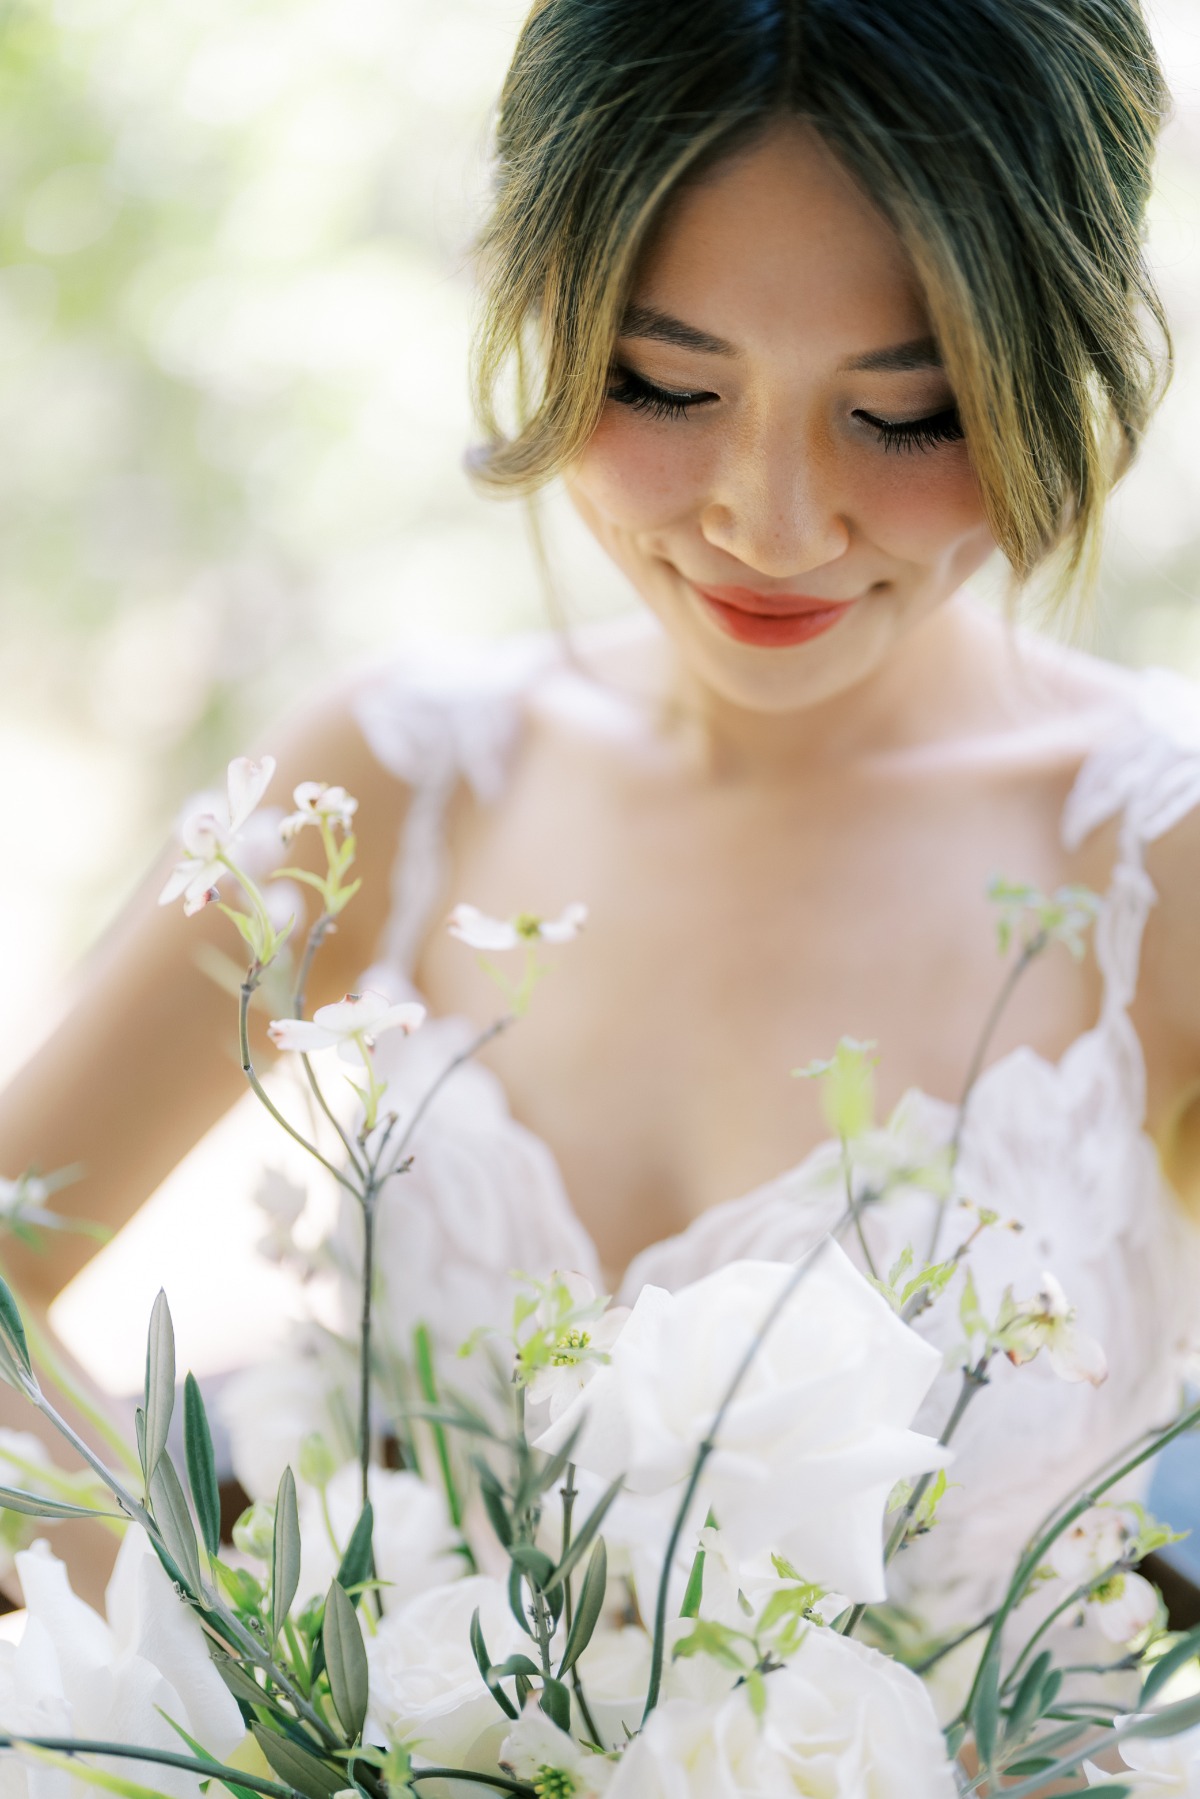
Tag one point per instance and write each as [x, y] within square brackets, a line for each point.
[485, 1037]
[261, 1094]
[955, 1642]
[1056, 1524]
[1074, 1598]
[499, 1783]
[705, 1449]
[855, 1210]
[568, 1491]
[364, 1370]
[208, 1770]
[1028, 955]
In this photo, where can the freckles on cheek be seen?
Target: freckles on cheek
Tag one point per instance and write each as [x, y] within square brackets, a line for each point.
[633, 476]
[919, 511]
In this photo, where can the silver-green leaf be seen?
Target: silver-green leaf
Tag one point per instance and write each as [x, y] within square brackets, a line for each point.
[175, 1522]
[160, 1382]
[37, 1505]
[345, 1660]
[285, 1557]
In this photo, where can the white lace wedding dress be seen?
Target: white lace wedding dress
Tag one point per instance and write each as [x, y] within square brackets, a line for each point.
[1058, 1146]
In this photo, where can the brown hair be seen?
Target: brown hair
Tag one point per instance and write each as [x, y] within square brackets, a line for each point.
[1009, 142]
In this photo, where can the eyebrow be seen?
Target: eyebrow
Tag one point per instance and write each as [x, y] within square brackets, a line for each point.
[663, 328]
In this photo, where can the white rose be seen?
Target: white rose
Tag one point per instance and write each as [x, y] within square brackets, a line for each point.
[815, 1438]
[413, 1537]
[73, 1674]
[426, 1689]
[841, 1720]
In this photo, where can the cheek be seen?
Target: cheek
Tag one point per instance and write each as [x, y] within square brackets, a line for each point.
[918, 506]
[635, 476]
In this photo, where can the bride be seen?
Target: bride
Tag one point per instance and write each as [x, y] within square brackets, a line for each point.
[812, 307]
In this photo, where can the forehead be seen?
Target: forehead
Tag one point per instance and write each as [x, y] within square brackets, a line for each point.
[778, 248]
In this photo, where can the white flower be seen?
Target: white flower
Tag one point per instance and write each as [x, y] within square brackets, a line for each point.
[350, 1025]
[15, 1196]
[841, 1721]
[1169, 1766]
[283, 1202]
[212, 832]
[1048, 1322]
[426, 1689]
[73, 1674]
[817, 1434]
[474, 927]
[1124, 1607]
[272, 1407]
[316, 801]
[538, 1751]
[415, 1543]
[580, 1335]
[1098, 1538]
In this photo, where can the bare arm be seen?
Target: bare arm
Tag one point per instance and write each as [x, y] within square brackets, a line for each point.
[147, 1058]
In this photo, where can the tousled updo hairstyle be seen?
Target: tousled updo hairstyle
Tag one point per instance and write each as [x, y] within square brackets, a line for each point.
[1008, 142]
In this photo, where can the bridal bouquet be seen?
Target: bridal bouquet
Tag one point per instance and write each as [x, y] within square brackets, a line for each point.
[637, 1552]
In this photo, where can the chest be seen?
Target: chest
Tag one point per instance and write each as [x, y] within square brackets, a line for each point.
[733, 937]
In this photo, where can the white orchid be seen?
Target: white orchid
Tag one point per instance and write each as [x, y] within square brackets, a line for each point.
[350, 1025]
[574, 1329]
[210, 835]
[473, 927]
[1048, 1322]
[816, 1436]
[317, 803]
[535, 1750]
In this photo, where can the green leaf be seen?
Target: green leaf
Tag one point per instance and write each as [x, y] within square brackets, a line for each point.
[987, 1709]
[285, 1553]
[495, 1502]
[483, 1662]
[175, 1522]
[12, 1333]
[102, 1778]
[201, 1754]
[556, 1703]
[1178, 1656]
[535, 1565]
[201, 1465]
[1110, 1790]
[34, 1505]
[694, 1591]
[160, 1382]
[297, 1766]
[587, 1613]
[583, 1542]
[238, 1681]
[358, 1562]
[1026, 1707]
[542, 1479]
[1168, 1722]
[345, 1661]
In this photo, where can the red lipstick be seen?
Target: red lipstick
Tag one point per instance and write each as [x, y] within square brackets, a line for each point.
[770, 621]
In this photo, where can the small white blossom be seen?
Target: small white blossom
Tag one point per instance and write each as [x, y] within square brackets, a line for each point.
[552, 1762]
[1124, 1607]
[475, 928]
[16, 1195]
[316, 801]
[350, 1025]
[1098, 1538]
[580, 1335]
[1048, 1322]
[210, 833]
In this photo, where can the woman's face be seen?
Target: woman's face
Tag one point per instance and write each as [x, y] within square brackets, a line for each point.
[779, 468]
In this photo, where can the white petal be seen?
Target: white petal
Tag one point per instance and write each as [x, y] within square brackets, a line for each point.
[565, 927]
[1075, 1356]
[202, 889]
[1127, 1616]
[299, 1034]
[248, 781]
[408, 1017]
[179, 879]
[472, 926]
[355, 1012]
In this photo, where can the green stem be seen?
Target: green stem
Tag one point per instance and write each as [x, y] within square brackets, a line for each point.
[260, 1093]
[568, 1491]
[855, 1210]
[1074, 1598]
[1008, 987]
[485, 1037]
[955, 1642]
[499, 1783]
[1058, 1521]
[364, 1369]
[208, 1770]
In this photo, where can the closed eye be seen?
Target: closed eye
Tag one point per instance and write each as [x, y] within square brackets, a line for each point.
[916, 434]
[628, 389]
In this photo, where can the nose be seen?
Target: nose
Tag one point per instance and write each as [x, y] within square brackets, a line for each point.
[774, 505]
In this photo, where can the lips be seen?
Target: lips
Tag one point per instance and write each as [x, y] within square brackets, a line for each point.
[770, 621]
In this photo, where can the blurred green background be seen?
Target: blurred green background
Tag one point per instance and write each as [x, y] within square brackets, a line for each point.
[234, 314]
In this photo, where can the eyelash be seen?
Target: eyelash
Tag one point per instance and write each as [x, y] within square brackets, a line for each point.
[628, 389]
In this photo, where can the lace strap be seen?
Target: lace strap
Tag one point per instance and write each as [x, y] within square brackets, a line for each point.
[434, 718]
[1147, 775]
